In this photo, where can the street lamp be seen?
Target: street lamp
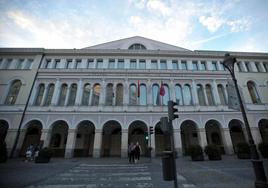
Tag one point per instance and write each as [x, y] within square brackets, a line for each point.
[261, 181]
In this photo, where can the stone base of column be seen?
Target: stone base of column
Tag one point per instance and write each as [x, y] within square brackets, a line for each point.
[179, 152]
[96, 153]
[68, 153]
[124, 153]
[153, 152]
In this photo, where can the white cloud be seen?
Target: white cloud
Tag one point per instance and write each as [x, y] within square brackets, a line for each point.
[212, 23]
[239, 25]
[158, 6]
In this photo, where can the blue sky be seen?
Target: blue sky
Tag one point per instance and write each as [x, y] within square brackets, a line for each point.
[229, 25]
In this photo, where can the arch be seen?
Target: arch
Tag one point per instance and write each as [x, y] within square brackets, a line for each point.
[49, 94]
[62, 95]
[59, 133]
[236, 132]
[119, 95]
[111, 139]
[213, 133]
[72, 96]
[189, 135]
[137, 46]
[253, 92]
[96, 95]
[137, 131]
[200, 94]
[32, 136]
[3, 130]
[13, 92]
[109, 94]
[143, 95]
[187, 95]
[209, 95]
[86, 94]
[263, 127]
[223, 99]
[39, 94]
[85, 133]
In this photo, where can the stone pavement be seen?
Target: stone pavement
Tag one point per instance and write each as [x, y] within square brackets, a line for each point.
[116, 172]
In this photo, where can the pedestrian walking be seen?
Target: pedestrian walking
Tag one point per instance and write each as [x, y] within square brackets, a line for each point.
[131, 154]
[137, 152]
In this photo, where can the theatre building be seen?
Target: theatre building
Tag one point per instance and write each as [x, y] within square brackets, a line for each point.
[93, 102]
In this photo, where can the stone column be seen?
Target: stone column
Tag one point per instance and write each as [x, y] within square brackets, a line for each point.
[177, 141]
[244, 68]
[172, 90]
[256, 135]
[124, 143]
[45, 137]
[227, 141]
[102, 93]
[67, 95]
[152, 137]
[10, 139]
[70, 145]
[205, 94]
[79, 93]
[253, 67]
[194, 93]
[44, 95]
[56, 93]
[215, 93]
[33, 96]
[97, 143]
[114, 95]
[149, 92]
[225, 94]
[126, 93]
[203, 138]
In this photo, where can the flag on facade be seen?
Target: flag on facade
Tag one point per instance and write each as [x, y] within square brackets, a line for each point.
[162, 90]
[138, 88]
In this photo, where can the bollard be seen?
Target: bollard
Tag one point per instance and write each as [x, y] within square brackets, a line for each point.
[167, 166]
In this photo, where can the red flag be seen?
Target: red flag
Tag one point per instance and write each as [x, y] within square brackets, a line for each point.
[138, 88]
[162, 89]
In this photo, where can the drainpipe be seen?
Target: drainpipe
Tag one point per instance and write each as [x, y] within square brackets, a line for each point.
[24, 110]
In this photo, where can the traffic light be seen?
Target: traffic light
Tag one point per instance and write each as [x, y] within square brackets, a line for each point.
[172, 110]
[146, 136]
[151, 130]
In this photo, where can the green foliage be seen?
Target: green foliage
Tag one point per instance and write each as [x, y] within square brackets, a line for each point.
[45, 152]
[263, 148]
[195, 150]
[243, 148]
[213, 151]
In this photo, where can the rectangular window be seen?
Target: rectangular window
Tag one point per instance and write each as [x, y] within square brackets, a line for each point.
[28, 64]
[142, 64]
[99, 63]
[258, 66]
[133, 64]
[214, 65]
[154, 64]
[78, 64]
[69, 63]
[247, 66]
[7, 64]
[19, 64]
[47, 64]
[57, 64]
[203, 65]
[195, 65]
[163, 64]
[175, 64]
[183, 65]
[221, 66]
[265, 64]
[90, 63]
[111, 64]
[121, 64]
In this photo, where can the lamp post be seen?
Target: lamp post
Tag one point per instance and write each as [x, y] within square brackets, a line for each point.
[261, 181]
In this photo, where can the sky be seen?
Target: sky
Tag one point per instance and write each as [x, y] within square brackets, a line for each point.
[221, 25]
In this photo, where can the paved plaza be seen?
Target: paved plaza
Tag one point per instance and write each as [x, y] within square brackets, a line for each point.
[116, 172]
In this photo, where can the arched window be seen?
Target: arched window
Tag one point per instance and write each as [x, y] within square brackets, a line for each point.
[253, 93]
[143, 94]
[209, 95]
[96, 95]
[86, 94]
[200, 94]
[49, 94]
[178, 94]
[39, 94]
[13, 92]
[119, 95]
[109, 95]
[62, 96]
[221, 94]
[187, 95]
[72, 96]
[166, 96]
[156, 96]
[133, 94]
[137, 46]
